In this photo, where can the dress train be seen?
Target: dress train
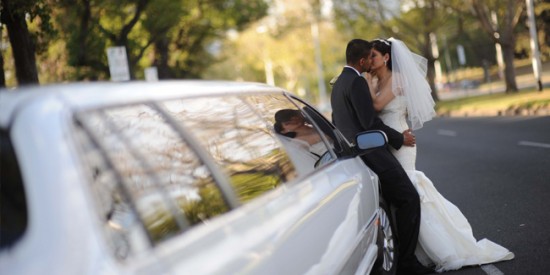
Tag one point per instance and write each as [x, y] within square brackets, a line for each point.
[449, 245]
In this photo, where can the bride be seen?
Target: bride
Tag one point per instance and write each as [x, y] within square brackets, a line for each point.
[400, 91]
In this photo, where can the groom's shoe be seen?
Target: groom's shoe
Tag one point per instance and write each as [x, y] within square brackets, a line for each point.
[413, 267]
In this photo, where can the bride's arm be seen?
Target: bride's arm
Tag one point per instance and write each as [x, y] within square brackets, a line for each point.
[370, 83]
[382, 99]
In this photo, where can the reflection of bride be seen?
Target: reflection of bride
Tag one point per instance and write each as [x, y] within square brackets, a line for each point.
[446, 239]
[291, 123]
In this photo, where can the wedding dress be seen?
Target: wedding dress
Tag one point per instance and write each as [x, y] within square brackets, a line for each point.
[445, 237]
[303, 155]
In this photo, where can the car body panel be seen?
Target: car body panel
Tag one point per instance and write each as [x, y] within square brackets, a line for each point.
[282, 230]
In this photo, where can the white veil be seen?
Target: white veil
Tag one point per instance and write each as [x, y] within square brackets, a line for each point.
[409, 79]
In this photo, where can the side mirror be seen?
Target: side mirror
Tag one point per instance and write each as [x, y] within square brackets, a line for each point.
[370, 139]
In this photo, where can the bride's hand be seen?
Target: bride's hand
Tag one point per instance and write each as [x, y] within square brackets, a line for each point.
[408, 138]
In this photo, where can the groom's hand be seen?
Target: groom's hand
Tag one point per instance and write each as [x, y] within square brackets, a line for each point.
[408, 138]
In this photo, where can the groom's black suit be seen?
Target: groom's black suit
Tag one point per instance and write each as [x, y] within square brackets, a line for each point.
[352, 113]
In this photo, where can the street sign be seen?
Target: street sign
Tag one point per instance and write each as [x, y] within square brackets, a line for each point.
[461, 55]
[151, 74]
[118, 63]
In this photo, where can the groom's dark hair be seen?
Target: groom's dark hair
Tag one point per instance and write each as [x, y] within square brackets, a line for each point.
[357, 49]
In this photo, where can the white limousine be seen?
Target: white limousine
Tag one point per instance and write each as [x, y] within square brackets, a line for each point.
[182, 177]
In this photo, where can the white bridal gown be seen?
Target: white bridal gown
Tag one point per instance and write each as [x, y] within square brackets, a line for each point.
[445, 237]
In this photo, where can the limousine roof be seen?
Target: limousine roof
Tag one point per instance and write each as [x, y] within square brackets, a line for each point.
[97, 94]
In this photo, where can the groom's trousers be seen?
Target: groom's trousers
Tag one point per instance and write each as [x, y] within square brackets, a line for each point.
[398, 190]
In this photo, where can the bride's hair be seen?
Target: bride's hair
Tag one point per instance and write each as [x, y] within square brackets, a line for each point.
[384, 47]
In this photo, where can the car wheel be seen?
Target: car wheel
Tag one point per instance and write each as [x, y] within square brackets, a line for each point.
[386, 263]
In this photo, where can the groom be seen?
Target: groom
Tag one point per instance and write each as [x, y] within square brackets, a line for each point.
[352, 113]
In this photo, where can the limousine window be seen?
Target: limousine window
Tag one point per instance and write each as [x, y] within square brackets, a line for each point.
[303, 154]
[238, 140]
[145, 177]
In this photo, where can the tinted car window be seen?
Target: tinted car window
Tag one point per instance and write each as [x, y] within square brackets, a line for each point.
[13, 202]
[324, 129]
[145, 177]
[303, 154]
[238, 140]
[337, 141]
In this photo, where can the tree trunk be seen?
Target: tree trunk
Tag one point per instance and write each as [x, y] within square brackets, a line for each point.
[428, 49]
[430, 74]
[509, 70]
[161, 59]
[2, 73]
[21, 44]
[504, 27]
[431, 78]
[85, 20]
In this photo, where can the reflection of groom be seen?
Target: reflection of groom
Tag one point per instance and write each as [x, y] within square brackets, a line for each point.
[353, 112]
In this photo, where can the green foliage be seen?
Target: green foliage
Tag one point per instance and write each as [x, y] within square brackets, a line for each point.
[162, 16]
[42, 31]
[359, 18]
[85, 44]
[251, 185]
[497, 103]
[210, 205]
[187, 28]
[205, 23]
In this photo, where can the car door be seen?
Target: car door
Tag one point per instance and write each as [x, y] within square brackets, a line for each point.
[362, 250]
[340, 228]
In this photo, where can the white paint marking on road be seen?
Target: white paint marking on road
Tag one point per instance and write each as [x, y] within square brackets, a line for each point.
[446, 133]
[534, 144]
[491, 270]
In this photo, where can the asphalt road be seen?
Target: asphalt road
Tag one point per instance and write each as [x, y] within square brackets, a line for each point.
[497, 171]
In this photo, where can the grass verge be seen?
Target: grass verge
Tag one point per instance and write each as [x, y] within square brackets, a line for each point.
[528, 102]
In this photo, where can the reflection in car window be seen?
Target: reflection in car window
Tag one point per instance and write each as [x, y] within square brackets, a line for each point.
[305, 151]
[325, 128]
[239, 142]
[155, 173]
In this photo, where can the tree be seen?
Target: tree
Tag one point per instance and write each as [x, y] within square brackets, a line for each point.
[542, 10]
[174, 35]
[25, 44]
[162, 18]
[2, 74]
[85, 44]
[282, 45]
[118, 27]
[507, 13]
[92, 27]
[189, 47]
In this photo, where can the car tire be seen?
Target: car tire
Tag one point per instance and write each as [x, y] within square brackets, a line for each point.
[386, 262]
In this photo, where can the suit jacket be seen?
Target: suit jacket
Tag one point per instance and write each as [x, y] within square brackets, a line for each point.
[353, 111]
